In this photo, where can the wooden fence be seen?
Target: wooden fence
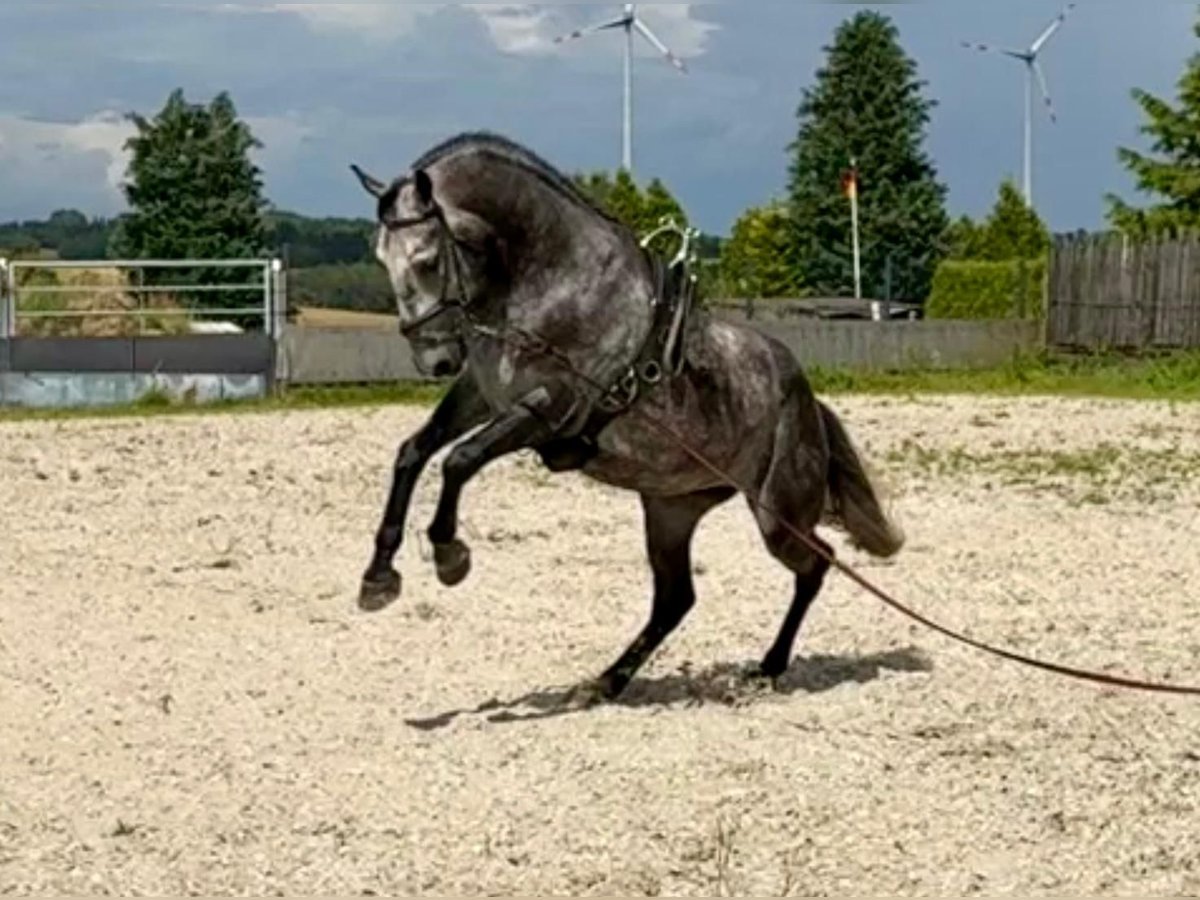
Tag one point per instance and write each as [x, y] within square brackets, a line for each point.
[1114, 292]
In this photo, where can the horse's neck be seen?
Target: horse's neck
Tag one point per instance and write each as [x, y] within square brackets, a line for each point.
[568, 264]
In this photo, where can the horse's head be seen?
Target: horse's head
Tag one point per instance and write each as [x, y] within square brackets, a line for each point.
[440, 262]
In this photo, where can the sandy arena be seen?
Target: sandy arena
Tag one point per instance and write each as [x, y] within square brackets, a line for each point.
[192, 703]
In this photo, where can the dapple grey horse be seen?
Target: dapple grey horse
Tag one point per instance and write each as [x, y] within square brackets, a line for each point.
[548, 311]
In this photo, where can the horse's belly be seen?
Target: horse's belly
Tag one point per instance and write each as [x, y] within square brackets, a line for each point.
[654, 448]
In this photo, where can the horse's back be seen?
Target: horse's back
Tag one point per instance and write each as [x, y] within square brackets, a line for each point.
[725, 404]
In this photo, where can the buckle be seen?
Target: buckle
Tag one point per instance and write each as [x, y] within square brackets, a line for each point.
[652, 372]
[622, 394]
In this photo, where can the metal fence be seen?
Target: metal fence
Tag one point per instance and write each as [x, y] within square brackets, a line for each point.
[77, 292]
[81, 332]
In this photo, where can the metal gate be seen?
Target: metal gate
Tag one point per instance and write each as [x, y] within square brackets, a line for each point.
[90, 332]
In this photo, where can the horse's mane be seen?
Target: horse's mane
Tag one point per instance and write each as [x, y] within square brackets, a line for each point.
[515, 154]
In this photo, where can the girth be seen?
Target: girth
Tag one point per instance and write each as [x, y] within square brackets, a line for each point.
[662, 353]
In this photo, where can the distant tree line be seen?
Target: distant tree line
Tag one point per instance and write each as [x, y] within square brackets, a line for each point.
[308, 241]
[193, 190]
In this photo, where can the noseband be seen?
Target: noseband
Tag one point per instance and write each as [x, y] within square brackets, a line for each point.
[448, 249]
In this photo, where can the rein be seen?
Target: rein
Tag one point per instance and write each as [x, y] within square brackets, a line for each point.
[533, 344]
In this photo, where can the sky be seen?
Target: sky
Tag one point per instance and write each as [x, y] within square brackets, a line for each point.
[326, 84]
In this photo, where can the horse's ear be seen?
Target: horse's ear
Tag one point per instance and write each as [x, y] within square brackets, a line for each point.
[424, 186]
[371, 185]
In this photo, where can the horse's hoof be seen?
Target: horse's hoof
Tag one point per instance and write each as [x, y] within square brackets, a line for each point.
[453, 561]
[766, 676]
[379, 591]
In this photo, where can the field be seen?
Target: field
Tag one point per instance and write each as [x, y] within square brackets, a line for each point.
[192, 703]
[328, 317]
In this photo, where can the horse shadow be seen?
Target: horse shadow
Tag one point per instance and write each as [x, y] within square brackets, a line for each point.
[727, 684]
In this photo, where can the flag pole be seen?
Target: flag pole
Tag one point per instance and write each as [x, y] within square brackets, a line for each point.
[853, 188]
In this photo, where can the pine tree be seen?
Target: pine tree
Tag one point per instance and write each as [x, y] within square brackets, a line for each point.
[1012, 230]
[866, 104]
[194, 193]
[1174, 173]
[963, 239]
[642, 211]
[658, 203]
[625, 202]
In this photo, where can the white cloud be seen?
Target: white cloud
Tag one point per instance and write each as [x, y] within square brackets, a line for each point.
[518, 28]
[380, 21]
[31, 143]
[528, 28]
[281, 136]
[56, 155]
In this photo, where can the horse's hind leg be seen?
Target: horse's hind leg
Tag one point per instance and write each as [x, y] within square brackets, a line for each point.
[794, 492]
[670, 523]
[810, 571]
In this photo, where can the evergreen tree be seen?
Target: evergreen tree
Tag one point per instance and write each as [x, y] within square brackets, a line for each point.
[963, 239]
[1014, 230]
[642, 211]
[658, 203]
[866, 104]
[625, 202]
[597, 185]
[755, 261]
[194, 193]
[1172, 173]
[1011, 231]
[622, 199]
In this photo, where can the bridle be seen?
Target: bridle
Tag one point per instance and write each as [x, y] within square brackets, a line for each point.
[449, 256]
[617, 398]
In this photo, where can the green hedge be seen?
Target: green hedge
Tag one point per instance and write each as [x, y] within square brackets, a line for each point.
[358, 286]
[987, 290]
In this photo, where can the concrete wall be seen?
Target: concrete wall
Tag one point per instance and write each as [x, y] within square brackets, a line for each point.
[900, 345]
[74, 372]
[216, 354]
[343, 356]
[84, 375]
[62, 390]
[331, 356]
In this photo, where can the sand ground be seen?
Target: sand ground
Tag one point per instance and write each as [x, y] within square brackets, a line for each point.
[191, 702]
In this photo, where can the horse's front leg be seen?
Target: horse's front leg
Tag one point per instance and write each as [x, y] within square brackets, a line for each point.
[460, 410]
[527, 424]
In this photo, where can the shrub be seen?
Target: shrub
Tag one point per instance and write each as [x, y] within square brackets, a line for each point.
[988, 290]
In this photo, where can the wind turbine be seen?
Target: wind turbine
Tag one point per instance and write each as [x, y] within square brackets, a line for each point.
[1033, 71]
[630, 22]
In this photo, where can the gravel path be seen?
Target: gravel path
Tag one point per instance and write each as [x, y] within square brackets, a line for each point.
[191, 702]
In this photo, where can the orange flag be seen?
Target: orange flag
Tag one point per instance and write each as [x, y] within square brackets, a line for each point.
[850, 183]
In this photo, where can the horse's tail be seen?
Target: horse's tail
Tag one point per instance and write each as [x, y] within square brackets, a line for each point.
[853, 500]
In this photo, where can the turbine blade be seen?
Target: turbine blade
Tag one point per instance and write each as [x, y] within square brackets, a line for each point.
[1053, 27]
[590, 29]
[1041, 77]
[988, 48]
[659, 45]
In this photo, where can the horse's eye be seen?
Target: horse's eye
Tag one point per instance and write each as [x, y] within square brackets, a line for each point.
[425, 265]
